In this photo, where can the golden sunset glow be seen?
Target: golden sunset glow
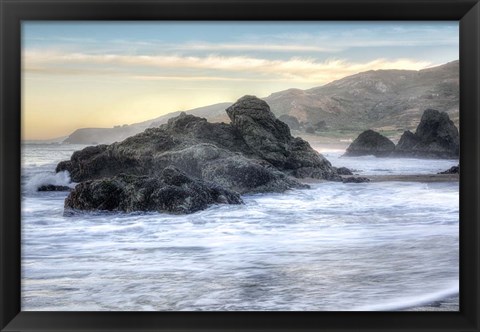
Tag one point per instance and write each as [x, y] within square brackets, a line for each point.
[71, 81]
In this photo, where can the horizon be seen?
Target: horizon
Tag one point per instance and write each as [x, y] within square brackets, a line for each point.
[134, 72]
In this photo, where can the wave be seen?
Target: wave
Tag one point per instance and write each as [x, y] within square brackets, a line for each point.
[48, 178]
[412, 302]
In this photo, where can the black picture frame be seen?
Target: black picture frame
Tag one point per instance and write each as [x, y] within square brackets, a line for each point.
[13, 12]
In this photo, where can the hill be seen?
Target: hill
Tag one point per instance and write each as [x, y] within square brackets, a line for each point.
[119, 133]
[389, 101]
[381, 99]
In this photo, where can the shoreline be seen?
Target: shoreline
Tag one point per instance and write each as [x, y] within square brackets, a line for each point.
[426, 178]
[411, 177]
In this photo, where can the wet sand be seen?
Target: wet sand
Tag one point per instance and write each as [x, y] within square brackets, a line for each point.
[398, 178]
[411, 177]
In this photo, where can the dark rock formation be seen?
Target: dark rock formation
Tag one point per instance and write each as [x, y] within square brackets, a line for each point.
[172, 191]
[96, 161]
[256, 153]
[344, 171]
[370, 143]
[451, 170]
[290, 120]
[436, 137]
[51, 187]
[270, 139]
[355, 179]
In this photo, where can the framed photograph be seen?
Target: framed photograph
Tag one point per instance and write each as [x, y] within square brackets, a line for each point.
[239, 165]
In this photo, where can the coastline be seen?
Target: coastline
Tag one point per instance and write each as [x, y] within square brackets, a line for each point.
[426, 178]
[412, 177]
[281, 229]
[449, 303]
[323, 145]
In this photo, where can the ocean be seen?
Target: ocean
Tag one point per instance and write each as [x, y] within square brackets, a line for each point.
[376, 246]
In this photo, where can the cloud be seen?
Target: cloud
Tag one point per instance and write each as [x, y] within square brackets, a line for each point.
[200, 78]
[212, 67]
[326, 38]
[403, 35]
[258, 47]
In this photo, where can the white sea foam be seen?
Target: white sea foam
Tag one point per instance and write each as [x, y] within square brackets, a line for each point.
[336, 246]
[47, 178]
[413, 301]
[371, 165]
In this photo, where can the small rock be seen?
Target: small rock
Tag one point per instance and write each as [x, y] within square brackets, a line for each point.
[370, 143]
[355, 179]
[51, 187]
[344, 171]
[451, 170]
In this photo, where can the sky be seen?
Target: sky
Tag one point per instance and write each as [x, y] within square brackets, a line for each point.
[102, 74]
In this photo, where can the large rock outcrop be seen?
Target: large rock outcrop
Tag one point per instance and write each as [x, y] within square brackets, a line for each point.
[436, 137]
[206, 151]
[270, 139]
[255, 153]
[173, 191]
[370, 143]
